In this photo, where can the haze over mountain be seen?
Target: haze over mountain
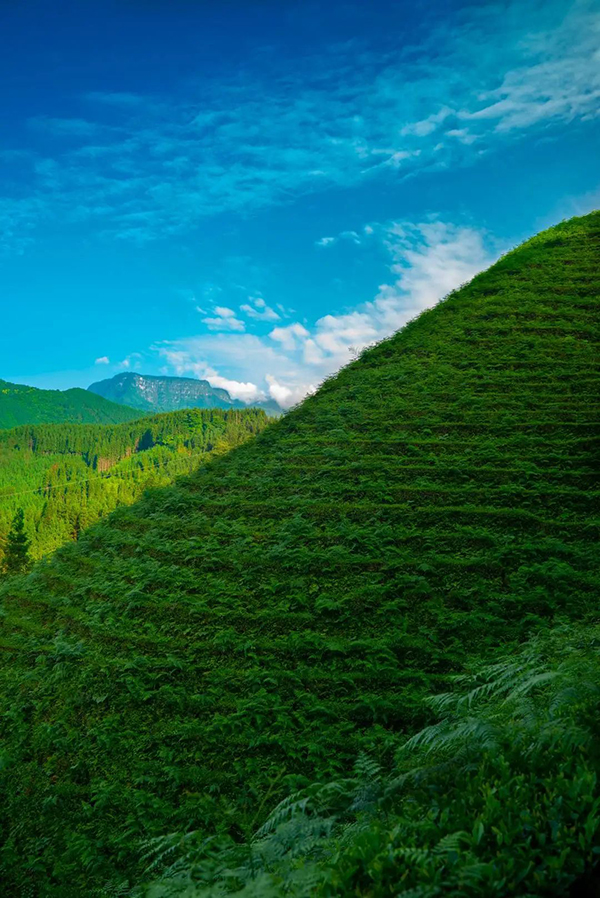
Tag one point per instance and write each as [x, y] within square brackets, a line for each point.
[20, 404]
[292, 606]
[151, 393]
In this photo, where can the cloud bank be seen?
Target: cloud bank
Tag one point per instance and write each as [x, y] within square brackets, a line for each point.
[427, 261]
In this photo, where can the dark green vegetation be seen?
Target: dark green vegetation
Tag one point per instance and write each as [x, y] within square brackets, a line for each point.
[498, 798]
[16, 550]
[165, 394]
[259, 625]
[27, 405]
[67, 476]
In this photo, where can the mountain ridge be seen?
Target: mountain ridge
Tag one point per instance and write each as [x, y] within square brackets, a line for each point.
[162, 393]
[23, 404]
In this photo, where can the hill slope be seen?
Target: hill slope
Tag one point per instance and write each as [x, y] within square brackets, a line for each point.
[165, 394]
[21, 404]
[67, 476]
[205, 650]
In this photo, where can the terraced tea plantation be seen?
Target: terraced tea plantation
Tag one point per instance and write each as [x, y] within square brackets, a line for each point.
[214, 647]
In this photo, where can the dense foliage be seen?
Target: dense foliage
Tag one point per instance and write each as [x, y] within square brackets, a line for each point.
[67, 476]
[200, 655]
[21, 404]
[500, 797]
[16, 551]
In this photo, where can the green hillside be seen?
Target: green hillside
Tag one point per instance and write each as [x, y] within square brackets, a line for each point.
[67, 476]
[21, 404]
[201, 654]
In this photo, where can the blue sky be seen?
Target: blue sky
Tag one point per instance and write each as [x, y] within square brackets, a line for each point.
[252, 191]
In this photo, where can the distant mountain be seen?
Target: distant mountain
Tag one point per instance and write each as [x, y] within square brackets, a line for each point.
[168, 394]
[20, 404]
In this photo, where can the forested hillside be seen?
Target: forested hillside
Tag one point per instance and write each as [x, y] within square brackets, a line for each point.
[288, 610]
[66, 476]
[21, 404]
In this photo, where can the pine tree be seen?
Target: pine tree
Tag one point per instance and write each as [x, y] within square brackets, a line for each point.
[16, 558]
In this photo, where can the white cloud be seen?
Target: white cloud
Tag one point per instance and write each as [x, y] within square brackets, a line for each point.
[426, 126]
[224, 320]
[133, 360]
[558, 79]
[427, 261]
[103, 360]
[183, 359]
[350, 236]
[286, 396]
[252, 366]
[289, 336]
[259, 310]
[335, 334]
[246, 392]
[463, 135]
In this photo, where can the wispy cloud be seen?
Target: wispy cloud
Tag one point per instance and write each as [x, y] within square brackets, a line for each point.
[146, 167]
[224, 320]
[257, 309]
[133, 360]
[349, 236]
[426, 261]
[244, 356]
[289, 336]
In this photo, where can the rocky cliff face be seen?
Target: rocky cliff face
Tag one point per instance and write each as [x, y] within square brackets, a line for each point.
[165, 394]
[162, 394]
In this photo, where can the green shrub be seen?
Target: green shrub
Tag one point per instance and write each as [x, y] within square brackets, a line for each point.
[500, 797]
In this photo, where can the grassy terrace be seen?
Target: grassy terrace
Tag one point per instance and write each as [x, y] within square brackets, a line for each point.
[215, 646]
